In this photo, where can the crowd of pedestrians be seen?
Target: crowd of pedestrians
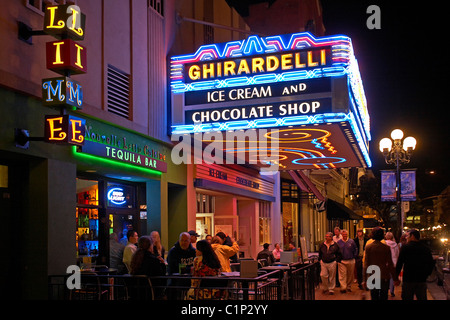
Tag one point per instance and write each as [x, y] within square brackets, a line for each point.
[145, 255]
[378, 262]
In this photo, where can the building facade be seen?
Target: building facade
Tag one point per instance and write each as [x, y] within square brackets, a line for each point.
[62, 203]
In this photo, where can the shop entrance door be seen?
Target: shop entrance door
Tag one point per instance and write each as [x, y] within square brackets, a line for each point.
[245, 239]
[122, 222]
[290, 224]
[204, 224]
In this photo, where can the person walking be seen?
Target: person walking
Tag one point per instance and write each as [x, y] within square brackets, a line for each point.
[360, 242]
[390, 241]
[417, 263]
[329, 254]
[378, 257]
[336, 237]
[337, 234]
[346, 266]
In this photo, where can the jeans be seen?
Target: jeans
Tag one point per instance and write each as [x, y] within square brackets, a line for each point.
[409, 289]
[382, 293]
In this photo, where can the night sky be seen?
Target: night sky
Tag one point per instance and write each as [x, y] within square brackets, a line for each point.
[405, 68]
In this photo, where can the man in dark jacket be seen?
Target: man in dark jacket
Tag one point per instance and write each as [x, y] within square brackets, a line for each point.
[180, 259]
[266, 254]
[329, 254]
[417, 262]
[181, 254]
[378, 257]
[360, 242]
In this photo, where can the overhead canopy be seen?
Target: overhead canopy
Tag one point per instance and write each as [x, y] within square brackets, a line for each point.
[305, 184]
[371, 223]
[338, 211]
[286, 102]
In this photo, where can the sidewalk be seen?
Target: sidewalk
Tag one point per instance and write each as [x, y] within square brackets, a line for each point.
[434, 292]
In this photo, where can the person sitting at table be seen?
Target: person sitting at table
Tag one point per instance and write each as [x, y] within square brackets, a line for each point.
[226, 240]
[224, 252]
[181, 253]
[180, 260]
[130, 248]
[277, 252]
[206, 264]
[116, 254]
[266, 254]
[144, 262]
[159, 249]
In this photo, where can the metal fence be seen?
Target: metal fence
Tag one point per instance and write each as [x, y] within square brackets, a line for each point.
[296, 281]
[125, 287]
[303, 281]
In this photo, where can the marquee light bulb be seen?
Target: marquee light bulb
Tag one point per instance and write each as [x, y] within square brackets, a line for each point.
[397, 134]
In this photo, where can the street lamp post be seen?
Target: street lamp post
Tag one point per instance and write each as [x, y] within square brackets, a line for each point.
[396, 152]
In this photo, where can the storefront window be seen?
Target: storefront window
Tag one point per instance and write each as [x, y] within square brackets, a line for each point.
[290, 223]
[3, 176]
[264, 222]
[87, 217]
[205, 215]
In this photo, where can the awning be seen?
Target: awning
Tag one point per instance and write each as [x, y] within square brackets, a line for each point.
[338, 211]
[371, 223]
[305, 184]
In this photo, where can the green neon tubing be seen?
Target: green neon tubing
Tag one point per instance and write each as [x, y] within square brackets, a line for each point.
[113, 163]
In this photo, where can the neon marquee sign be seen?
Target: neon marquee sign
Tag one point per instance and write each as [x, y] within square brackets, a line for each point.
[281, 58]
[286, 82]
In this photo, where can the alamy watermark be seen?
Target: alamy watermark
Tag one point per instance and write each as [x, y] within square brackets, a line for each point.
[74, 280]
[374, 280]
[258, 147]
[374, 20]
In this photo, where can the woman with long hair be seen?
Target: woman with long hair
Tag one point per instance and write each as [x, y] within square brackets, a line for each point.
[158, 249]
[206, 264]
[144, 262]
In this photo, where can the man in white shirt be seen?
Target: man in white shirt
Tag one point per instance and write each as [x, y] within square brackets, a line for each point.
[130, 248]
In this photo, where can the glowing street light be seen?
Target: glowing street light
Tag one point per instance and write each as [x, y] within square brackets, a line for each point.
[397, 152]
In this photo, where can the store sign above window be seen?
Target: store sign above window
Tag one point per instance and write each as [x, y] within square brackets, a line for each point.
[64, 56]
[122, 147]
[64, 130]
[308, 88]
[64, 21]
